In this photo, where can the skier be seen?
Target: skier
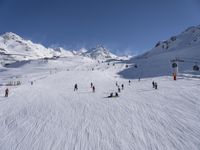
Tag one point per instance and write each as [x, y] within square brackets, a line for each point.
[111, 95]
[75, 87]
[31, 82]
[122, 86]
[156, 85]
[93, 89]
[116, 94]
[6, 92]
[119, 90]
[116, 83]
[139, 79]
[129, 82]
[153, 84]
[91, 85]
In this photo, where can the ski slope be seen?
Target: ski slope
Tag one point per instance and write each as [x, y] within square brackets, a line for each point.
[49, 115]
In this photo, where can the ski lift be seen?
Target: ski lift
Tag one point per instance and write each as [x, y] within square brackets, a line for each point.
[174, 65]
[196, 68]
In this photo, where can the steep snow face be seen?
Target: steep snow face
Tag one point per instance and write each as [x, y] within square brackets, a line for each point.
[99, 52]
[157, 62]
[14, 48]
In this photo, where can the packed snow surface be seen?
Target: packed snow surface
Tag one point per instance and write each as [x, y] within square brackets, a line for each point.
[49, 115]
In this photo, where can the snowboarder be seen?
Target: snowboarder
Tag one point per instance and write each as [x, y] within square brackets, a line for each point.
[6, 92]
[93, 89]
[122, 86]
[75, 87]
[119, 90]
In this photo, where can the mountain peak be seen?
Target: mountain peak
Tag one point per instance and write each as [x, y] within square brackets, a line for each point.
[11, 35]
[99, 52]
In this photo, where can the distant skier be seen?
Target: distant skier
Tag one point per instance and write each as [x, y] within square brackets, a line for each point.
[75, 87]
[116, 94]
[6, 92]
[31, 82]
[91, 85]
[156, 85]
[93, 89]
[122, 86]
[139, 79]
[116, 83]
[129, 82]
[153, 84]
[119, 90]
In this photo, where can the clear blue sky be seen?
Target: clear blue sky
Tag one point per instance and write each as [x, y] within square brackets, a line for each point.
[121, 25]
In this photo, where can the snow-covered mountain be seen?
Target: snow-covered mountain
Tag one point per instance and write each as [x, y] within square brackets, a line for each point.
[187, 39]
[14, 48]
[99, 52]
[157, 61]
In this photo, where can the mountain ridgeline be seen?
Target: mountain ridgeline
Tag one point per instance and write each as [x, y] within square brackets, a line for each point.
[14, 48]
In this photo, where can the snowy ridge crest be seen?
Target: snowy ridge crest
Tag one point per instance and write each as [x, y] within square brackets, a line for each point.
[99, 52]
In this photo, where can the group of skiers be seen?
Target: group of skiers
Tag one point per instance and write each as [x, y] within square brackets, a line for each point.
[155, 85]
[111, 95]
[119, 88]
[91, 85]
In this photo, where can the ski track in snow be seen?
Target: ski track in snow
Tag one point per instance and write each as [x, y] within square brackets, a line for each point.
[50, 115]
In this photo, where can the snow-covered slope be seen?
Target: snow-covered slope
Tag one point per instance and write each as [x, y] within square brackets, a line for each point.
[99, 52]
[49, 115]
[156, 62]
